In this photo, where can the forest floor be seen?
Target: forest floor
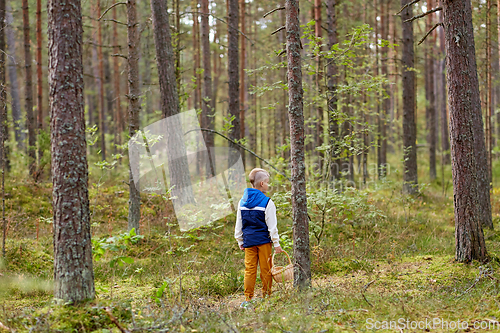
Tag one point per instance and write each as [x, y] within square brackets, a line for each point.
[393, 270]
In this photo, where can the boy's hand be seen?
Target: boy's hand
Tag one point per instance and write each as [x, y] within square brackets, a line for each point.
[278, 249]
[242, 248]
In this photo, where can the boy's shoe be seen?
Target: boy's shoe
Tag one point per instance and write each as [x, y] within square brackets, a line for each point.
[245, 305]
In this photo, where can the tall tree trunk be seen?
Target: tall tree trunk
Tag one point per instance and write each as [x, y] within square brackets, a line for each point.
[332, 72]
[489, 90]
[39, 80]
[233, 75]
[430, 110]
[301, 251]
[3, 117]
[134, 93]
[382, 150]
[30, 119]
[196, 55]
[116, 79]
[14, 85]
[179, 178]
[410, 176]
[242, 76]
[102, 111]
[445, 136]
[207, 113]
[73, 271]
[318, 30]
[467, 142]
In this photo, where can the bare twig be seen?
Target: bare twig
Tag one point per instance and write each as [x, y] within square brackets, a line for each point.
[115, 321]
[406, 6]
[429, 32]
[120, 55]
[113, 20]
[272, 11]
[423, 14]
[278, 30]
[242, 147]
[111, 7]
[363, 292]
[218, 18]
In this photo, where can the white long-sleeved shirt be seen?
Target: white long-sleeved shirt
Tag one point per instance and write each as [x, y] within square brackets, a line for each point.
[271, 221]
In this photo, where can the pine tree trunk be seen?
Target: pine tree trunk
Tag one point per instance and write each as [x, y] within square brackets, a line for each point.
[332, 72]
[445, 136]
[39, 80]
[318, 30]
[30, 119]
[134, 93]
[242, 76]
[489, 91]
[102, 111]
[207, 113]
[382, 141]
[430, 110]
[410, 176]
[3, 116]
[179, 177]
[301, 251]
[116, 80]
[465, 118]
[73, 271]
[14, 85]
[233, 68]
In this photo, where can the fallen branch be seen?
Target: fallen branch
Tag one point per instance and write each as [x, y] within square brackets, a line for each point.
[363, 292]
[429, 32]
[406, 6]
[423, 15]
[115, 321]
[272, 11]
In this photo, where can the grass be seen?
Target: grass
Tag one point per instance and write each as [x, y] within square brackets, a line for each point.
[381, 257]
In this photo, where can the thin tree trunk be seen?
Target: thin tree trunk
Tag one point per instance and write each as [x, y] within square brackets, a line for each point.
[116, 78]
[445, 136]
[39, 80]
[102, 113]
[410, 176]
[318, 30]
[382, 119]
[233, 74]
[467, 142]
[332, 71]
[134, 93]
[30, 119]
[196, 46]
[14, 85]
[430, 110]
[489, 90]
[3, 117]
[179, 178]
[207, 113]
[73, 271]
[242, 75]
[301, 251]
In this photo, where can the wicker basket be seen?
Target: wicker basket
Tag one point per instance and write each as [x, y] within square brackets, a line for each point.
[281, 274]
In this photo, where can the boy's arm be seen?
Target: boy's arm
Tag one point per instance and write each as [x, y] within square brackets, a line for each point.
[238, 232]
[272, 223]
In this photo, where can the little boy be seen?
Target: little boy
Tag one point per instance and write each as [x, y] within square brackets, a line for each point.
[256, 229]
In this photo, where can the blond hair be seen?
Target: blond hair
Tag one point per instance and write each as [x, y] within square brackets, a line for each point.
[258, 175]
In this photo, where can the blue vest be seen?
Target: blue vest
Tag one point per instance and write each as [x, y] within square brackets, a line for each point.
[253, 217]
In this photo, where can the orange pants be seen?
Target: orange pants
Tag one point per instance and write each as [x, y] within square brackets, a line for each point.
[258, 254]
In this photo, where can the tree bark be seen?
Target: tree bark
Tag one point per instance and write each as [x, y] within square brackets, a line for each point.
[14, 85]
[102, 110]
[208, 103]
[466, 139]
[242, 76]
[73, 271]
[134, 93]
[165, 57]
[30, 119]
[382, 141]
[445, 136]
[430, 109]
[332, 71]
[233, 75]
[116, 79]
[410, 176]
[301, 251]
[3, 117]
[39, 79]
